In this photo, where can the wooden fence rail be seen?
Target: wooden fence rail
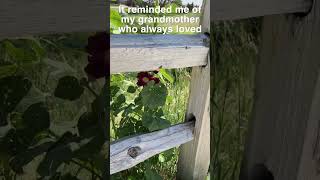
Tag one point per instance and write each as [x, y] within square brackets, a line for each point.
[129, 152]
[30, 17]
[239, 9]
[131, 53]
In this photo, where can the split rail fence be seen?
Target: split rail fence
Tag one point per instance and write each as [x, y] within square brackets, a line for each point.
[134, 53]
[131, 53]
[284, 131]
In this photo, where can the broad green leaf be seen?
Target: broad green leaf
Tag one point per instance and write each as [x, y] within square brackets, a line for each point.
[12, 143]
[154, 122]
[166, 75]
[58, 153]
[20, 55]
[88, 124]
[16, 120]
[116, 79]
[37, 48]
[115, 19]
[53, 159]
[8, 70]
[12, 90]
[131, 89]
[92, 147]
[36, 118]
[154, 95]
[22, 159]
[117, 104]
[68, 88]
[114, 90]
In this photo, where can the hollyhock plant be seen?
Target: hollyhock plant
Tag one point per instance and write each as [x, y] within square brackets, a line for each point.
[145, 77]
[98, 62]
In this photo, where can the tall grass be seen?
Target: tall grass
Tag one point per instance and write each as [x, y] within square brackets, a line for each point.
[234, 54]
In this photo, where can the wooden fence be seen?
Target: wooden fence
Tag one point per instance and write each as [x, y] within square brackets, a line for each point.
[131, 53]
[284, 131]
[283, 139]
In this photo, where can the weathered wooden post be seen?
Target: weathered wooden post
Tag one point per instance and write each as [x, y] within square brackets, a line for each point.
[284, 130]
[194, 157]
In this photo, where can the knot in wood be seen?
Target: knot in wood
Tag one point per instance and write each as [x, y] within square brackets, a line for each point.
[134, 151]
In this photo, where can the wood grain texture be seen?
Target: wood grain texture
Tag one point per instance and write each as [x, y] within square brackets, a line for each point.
[239, 9]
[133, 53]
[310, 160]
[284, 130]
[194, 157]
[147, 145]
[29, 17]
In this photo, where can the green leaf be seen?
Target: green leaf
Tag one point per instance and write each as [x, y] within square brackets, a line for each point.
[37, 48]
[27, 156]
[116, 79]
[166, 75]
[68, 88]
[16, 120]
[12, 90]
[54, 159]
[131, 89]
[154, 95]
[161, 158]
[117, 104]
[152, 175]
[36, 118]
[88, 124]
[57, 154]
[154, 122]
[91, 148]
[114, 90]
[12, 143]
[169, 154]
[115, 20]
[21, 55]
[8, 70]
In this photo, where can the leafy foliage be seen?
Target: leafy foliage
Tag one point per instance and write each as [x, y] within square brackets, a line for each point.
[137, 108]
[68, 88]
[28, 106]
[154, 95]
[115, 21]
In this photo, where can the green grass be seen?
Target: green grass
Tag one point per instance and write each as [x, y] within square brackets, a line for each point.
[234, 52]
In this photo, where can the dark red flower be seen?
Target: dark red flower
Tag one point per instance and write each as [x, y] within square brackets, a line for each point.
[144, 74]
[156, 80]
[98, 60]
[145, 77]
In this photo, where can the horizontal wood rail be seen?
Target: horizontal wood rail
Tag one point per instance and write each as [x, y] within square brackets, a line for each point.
[129, 152]
[30, 17]
[132, 53]
[239, 9]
